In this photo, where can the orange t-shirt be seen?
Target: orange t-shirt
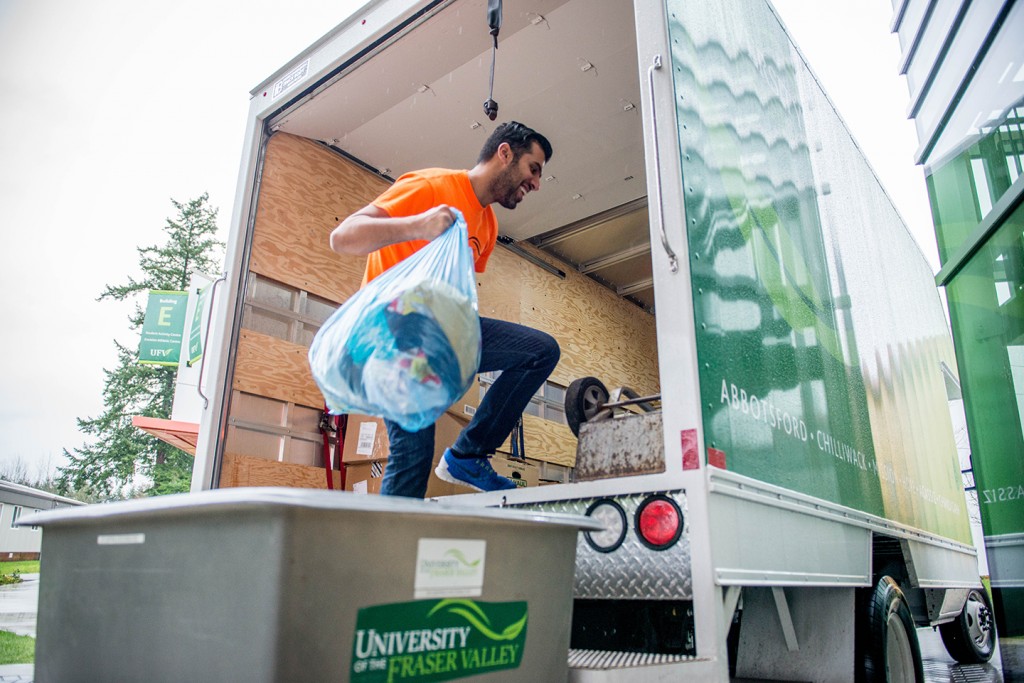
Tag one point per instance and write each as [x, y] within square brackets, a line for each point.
[420, 191]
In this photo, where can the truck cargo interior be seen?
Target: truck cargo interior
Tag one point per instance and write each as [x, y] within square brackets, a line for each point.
[574, 258]
[418, 104]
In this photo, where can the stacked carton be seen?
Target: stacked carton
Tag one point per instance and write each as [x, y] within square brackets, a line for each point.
[366, 451]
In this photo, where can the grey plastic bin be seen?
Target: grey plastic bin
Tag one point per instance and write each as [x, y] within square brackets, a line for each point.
[291, 585]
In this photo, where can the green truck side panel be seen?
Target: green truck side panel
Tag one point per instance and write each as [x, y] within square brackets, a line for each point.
[807, 379]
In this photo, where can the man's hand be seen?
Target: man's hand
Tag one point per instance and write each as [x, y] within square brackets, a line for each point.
[436, 221]
[371, 228]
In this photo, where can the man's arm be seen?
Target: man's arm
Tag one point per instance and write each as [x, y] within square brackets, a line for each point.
[371, 228]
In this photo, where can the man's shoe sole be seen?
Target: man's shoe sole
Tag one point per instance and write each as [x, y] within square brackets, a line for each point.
[444, 475]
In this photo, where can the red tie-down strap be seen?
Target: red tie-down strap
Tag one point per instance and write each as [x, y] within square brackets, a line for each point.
[332, 428]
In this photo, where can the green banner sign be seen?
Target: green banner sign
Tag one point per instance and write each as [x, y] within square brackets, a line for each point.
[437, 640]
[163, 327]
[195, 336]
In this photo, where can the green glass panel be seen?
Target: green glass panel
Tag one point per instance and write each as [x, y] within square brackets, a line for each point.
[986, 306]
[820, 334]
[965, 188]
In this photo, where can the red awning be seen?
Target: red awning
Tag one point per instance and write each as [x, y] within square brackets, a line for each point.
[181, 435]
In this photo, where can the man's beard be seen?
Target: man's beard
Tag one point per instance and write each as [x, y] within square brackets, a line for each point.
[506, 188]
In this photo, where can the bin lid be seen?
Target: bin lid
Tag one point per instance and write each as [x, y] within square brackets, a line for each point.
[283, 497]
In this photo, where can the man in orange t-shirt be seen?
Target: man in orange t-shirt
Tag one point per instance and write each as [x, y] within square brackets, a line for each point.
[403, 219]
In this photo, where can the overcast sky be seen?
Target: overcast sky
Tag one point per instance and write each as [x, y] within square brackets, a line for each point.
[109, 108]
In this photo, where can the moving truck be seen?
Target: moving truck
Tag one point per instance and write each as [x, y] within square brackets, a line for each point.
[777, 475]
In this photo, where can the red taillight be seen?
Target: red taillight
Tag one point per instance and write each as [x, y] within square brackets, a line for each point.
[659, 522]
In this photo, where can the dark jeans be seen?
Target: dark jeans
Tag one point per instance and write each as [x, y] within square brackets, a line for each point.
[525, 357]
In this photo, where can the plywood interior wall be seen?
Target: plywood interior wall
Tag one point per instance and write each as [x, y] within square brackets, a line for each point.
[307, 189]
[600, 335]
[243, 470]
[271, 367]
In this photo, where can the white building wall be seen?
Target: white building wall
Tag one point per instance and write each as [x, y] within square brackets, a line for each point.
[18, 502]
[15, 539]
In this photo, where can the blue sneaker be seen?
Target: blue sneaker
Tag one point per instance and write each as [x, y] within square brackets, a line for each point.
[475, 473]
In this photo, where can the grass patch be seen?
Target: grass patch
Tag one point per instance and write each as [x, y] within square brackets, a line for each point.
[23, 567]
[15, 649]
[10, 572]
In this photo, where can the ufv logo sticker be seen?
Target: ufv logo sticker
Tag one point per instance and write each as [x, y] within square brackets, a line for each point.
[449, 568]
[457, 554]
[437, 640]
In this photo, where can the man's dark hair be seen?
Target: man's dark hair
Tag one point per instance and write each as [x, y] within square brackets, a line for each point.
[519, 137]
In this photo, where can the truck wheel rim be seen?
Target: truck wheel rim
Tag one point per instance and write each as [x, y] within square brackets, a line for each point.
[899, 659]
[978, 620]
[593, 399]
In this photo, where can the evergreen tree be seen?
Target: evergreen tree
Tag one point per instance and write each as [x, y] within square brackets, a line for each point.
[122, 460]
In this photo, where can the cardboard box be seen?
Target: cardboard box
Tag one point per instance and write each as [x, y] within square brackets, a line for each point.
[366, 439]
[364, 467]
[465, 407]
[521, 472]
[551, 472]
[360, 478]
[446, 431]
[364, 477]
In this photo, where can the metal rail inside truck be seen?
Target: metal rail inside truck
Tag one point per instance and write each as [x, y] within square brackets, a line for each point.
[785, 501]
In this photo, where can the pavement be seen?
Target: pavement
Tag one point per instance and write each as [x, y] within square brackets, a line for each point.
[17, 673]
[19, 604]
[939, 667]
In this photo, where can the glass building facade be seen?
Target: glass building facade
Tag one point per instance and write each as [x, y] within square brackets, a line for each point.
[964, 63]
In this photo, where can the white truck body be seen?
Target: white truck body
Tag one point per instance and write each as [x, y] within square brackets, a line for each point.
[712, 124]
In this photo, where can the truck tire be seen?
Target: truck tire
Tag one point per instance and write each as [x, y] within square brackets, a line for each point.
[887, 647]
[583, 400]
[971, 637]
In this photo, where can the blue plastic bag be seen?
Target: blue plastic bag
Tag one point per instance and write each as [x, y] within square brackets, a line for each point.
[407, 345]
